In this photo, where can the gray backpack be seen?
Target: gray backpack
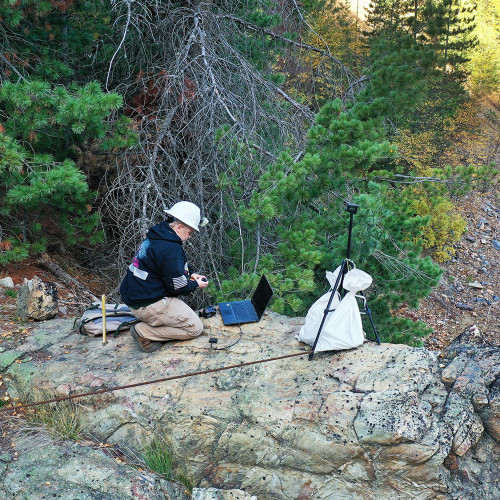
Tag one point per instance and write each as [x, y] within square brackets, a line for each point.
[118, 317]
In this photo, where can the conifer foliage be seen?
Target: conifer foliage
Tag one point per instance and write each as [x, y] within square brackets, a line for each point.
[42, 188]
[45, 115]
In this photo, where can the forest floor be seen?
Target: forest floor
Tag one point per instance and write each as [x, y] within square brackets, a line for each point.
[469, 291]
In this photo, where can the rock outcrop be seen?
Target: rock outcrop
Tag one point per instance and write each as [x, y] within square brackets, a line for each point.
[378, 421]
[73, 472]
[37, 300]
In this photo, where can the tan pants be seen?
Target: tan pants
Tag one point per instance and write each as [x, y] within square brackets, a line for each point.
[168, 319]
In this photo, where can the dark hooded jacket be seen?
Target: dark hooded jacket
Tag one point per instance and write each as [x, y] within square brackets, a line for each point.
[159, 269]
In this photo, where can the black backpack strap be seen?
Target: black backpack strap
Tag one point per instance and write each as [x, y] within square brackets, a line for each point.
[124, 325]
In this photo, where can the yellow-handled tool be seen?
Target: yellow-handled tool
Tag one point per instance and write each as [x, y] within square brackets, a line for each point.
[103, 319]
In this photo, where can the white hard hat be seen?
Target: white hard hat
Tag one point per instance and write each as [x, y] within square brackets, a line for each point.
[189, 213]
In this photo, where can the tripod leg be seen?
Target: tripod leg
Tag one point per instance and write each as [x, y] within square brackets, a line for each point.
[338, 281]
[368, 312]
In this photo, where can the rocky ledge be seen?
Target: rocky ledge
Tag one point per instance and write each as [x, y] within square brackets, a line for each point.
[378, 421]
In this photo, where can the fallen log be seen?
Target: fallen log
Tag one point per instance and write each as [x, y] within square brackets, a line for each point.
[78, 288]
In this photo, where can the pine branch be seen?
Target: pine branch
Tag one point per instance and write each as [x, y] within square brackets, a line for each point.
[301, 45]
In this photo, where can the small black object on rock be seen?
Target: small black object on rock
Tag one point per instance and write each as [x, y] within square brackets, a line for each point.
[207, 312]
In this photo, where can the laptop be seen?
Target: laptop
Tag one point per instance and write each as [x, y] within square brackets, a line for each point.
[247, 311]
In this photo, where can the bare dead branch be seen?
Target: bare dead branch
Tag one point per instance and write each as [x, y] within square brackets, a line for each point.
[12, 67]
[410, 179]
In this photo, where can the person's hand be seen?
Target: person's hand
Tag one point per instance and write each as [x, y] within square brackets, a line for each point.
[201, 280]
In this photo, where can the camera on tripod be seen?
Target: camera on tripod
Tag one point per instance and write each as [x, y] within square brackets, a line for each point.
[207, 312]
[351, 208]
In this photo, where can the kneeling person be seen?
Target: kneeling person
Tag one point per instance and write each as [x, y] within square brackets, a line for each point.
[158, 275]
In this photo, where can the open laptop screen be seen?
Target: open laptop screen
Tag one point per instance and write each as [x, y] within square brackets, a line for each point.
[262, 296]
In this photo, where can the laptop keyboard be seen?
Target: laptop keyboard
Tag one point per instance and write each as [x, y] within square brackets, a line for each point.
[242, 310]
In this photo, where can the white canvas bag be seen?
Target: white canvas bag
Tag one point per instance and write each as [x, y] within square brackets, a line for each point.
[343, 328]
[314, 316]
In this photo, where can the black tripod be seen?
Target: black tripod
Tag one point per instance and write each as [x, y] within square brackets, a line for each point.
[345, 266]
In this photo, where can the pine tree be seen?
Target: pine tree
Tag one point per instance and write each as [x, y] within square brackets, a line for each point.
[449, 29]
[383, 16]
[294, 227]
[46, 116]
[43, 190]
[446, 27]
[399, 72]
[64, 41]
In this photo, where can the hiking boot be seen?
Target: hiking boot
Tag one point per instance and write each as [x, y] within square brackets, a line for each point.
[145, 345]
